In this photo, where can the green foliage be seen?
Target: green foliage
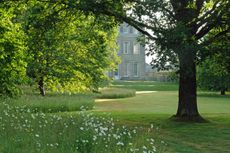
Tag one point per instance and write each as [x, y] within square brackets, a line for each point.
[173, 76]
[213, 75]
[12, 47]
[214, 72]
[112, 93]
[69, 51]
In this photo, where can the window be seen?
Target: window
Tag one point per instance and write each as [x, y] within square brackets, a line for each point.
[127, 70]
[136, 48]
[135, 69]
[125, 29]
[126, 46]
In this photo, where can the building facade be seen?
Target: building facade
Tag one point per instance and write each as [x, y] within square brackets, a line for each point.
[132, 54]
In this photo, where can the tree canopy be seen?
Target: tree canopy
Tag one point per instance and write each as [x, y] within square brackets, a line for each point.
[214, 71]
[12, 52]
[69, 52]
[212, 75]
[66, 50]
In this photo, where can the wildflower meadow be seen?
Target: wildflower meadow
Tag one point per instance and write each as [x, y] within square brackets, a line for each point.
[22, 130]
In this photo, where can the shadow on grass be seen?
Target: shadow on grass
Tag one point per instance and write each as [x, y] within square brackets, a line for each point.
[213, 94]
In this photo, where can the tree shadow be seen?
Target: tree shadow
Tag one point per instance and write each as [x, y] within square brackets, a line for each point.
[213, 94]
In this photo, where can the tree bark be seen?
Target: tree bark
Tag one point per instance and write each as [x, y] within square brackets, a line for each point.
[187, 105]
[41, 86]
[222, 92]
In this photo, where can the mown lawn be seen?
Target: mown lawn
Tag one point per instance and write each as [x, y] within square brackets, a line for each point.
[156, 108]
[146, 85]
[164, 102]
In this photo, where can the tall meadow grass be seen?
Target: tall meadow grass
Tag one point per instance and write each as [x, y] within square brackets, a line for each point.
[113, 93]
[54, 102]
[25, 131]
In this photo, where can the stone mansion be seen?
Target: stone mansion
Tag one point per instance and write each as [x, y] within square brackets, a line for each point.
[132, 54]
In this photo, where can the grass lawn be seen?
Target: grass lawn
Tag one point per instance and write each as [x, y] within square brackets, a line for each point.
[138, 124]
[164, 102]
[157, 107]
[213, 137]
[145, 85]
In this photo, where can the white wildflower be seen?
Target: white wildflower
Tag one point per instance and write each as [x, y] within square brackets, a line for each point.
[130, 143]
[120, 143]
[151, 126]
[94, 138]
[32, 115]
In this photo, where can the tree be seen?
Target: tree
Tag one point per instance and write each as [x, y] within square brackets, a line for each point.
[68, 52]
[174, 30]
[214, 71]
[12, 47]
[213, 76]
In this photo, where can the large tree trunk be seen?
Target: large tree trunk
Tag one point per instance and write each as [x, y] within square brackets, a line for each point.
[41, 86]
[187, 105]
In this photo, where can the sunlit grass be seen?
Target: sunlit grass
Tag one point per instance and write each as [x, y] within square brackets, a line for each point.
[113, 93]
[146, 85]
[157, 108]
[164, 102]
[54, 102]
